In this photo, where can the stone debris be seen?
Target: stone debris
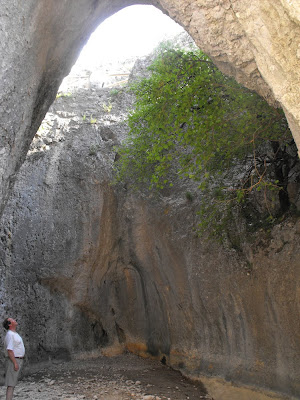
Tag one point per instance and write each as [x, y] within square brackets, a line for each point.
[106, 379]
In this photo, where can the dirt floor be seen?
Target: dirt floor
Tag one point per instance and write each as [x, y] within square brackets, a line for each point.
[124, 377]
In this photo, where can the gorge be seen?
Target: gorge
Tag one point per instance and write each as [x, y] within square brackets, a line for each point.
[86, 265]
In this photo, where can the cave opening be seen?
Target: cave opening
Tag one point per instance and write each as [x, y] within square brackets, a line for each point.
[106, 62]
[80, 104]
[111, 51]
[56, 232]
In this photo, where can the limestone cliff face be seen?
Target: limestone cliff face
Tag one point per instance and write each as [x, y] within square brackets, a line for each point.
[85, 265]
[257, 41]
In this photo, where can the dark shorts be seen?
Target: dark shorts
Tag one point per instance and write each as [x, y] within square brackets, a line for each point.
[12, 376]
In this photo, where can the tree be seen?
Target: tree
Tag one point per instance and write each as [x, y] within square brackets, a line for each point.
[190, 120]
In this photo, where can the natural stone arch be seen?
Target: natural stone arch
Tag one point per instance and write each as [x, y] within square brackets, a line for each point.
[273, 291]
[41, 40]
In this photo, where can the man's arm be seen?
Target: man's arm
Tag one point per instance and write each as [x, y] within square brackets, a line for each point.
[13, 360]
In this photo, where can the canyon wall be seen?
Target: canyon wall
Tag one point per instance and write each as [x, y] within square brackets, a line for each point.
[256, 41]
[86, 265]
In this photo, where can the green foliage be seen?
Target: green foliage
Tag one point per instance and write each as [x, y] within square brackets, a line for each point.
[189, 196]
[63, 94]
[191, 121]
[93, 120]
[107, 107]
[114, 92]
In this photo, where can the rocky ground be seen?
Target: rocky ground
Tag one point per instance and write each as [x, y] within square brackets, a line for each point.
[123, 377]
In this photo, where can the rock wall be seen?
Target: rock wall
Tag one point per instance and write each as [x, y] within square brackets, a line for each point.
[256, 41]
[85, 265]
[39, 43]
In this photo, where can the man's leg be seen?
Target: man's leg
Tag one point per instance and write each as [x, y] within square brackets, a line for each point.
[9, 392]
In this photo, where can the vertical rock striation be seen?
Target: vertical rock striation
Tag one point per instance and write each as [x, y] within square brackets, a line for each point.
[86, 265]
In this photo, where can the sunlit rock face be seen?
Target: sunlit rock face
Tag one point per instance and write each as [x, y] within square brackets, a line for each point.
[40, 41]
[256, 41]
[85, 266]
[88, 266]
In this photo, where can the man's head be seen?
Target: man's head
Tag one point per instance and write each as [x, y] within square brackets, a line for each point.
[10, 323]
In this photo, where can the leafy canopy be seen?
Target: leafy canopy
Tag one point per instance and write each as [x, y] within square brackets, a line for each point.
[189, 120]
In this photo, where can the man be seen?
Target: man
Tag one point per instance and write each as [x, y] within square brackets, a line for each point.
[14, 351]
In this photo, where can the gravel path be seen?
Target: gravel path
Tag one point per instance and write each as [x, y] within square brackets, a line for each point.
[124, 377]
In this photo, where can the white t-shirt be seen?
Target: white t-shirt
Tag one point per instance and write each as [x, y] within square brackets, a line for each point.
[14, 342]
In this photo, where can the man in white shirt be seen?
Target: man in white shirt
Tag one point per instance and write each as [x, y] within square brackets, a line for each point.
[14, 351]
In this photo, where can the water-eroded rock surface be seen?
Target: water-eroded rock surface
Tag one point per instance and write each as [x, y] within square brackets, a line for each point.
[87, 265]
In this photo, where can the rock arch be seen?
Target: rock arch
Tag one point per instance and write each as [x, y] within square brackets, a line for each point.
[40, 41]
[256, 41]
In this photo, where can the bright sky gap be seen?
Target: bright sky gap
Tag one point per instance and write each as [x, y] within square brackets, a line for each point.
[133, 31]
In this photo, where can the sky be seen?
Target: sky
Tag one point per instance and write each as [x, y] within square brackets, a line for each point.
[133, 31]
